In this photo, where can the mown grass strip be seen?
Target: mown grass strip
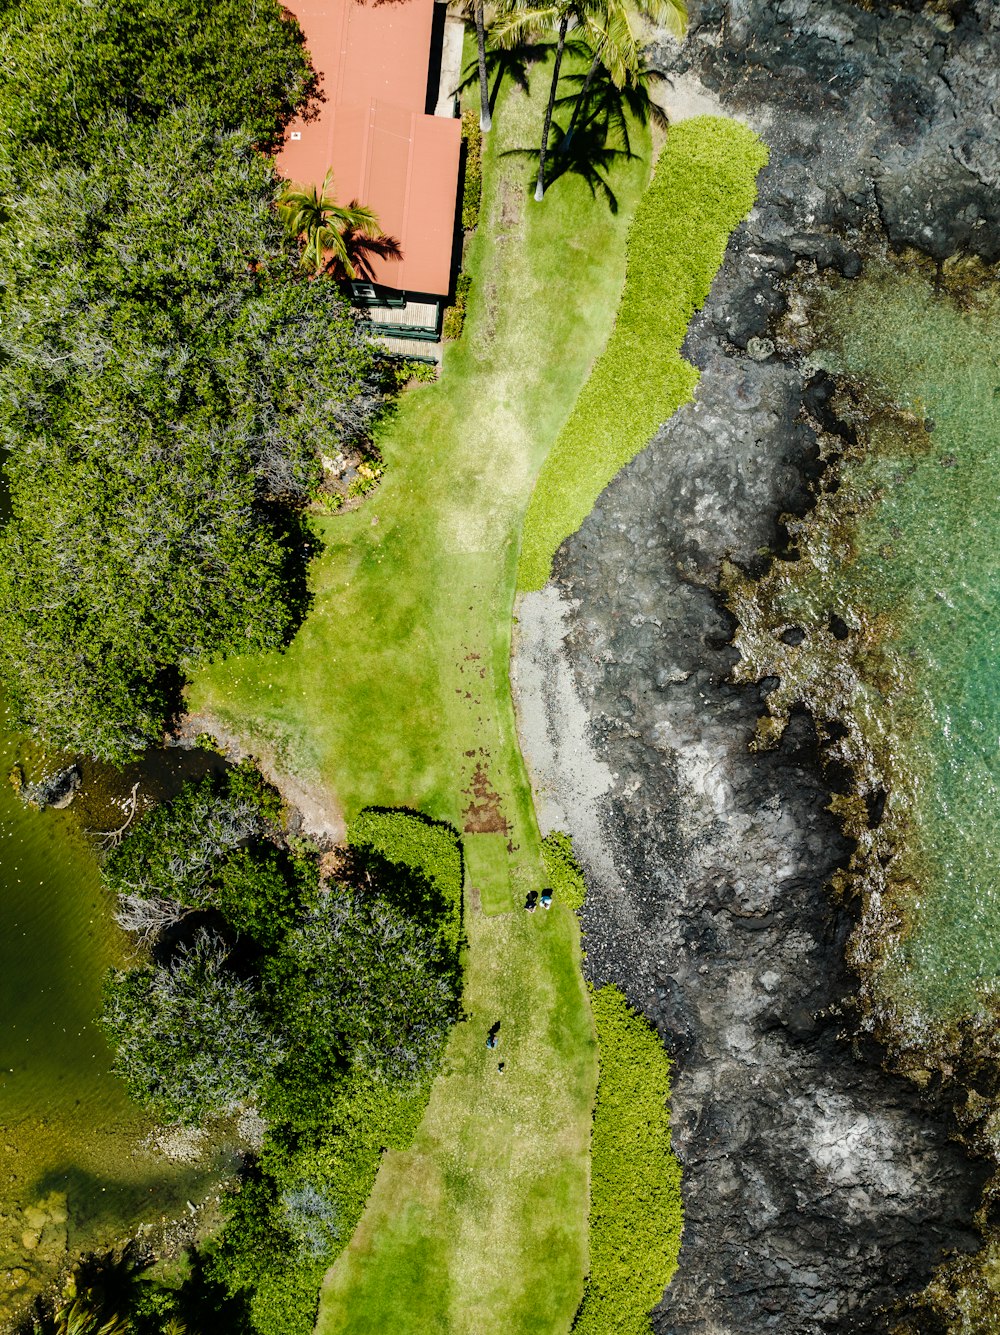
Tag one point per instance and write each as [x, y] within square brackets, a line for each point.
[487, 865]
[704, 185]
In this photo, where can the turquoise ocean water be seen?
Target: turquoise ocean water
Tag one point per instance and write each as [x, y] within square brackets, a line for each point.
[925, 534]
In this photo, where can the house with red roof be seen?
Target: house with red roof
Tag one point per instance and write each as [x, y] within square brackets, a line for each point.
[375, 126]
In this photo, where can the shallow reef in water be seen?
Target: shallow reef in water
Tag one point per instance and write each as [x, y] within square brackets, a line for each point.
[881, 620]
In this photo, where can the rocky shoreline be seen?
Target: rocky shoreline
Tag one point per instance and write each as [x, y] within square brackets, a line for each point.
[819, 1189]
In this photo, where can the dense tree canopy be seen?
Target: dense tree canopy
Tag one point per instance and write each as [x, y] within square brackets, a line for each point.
[360, 979]
[189, 1035]
[291, 985]
[67, 63]
[168, 380]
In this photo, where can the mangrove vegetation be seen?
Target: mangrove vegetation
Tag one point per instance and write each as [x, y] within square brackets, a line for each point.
[309, 1003]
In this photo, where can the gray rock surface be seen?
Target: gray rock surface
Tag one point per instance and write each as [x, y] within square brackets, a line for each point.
[817, 1187]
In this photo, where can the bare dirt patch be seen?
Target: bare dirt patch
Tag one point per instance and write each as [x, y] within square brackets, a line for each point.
[484, 813]
[314, 807]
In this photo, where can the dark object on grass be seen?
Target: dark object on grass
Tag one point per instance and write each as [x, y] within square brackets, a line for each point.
[531, 902]
[492, 1038]
[546, 899]
[500, 1066]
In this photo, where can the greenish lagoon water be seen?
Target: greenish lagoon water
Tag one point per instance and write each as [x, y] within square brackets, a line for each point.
[925, 535]
[73, 1169]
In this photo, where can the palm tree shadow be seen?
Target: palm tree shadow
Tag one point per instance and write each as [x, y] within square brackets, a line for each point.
[597, 132]
[513, 64]
[616, 108]
[361, 251]
[591, 137]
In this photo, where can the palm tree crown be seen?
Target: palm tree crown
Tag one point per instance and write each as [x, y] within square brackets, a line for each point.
[609, 29]
[313, 213]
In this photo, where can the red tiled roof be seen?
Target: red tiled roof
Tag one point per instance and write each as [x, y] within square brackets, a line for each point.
[372, 130]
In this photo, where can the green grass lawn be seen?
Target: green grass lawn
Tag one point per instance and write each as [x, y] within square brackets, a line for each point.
[396, 692]
[477, 1228]
[705, 184]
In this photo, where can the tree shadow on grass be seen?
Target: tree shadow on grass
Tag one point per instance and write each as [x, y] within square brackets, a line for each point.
[513, 65]
[589, 137]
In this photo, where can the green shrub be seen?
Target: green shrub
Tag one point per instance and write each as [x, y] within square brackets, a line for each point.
[472, 193]
[562, 871]
[177, 850]
[454, 317]
[636, 1214]
[410, 370]
[704, 184]
[361, 486]
[326, 1009]
[431, 854]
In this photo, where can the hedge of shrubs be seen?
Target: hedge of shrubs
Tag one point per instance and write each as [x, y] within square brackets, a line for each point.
[636, 1214]
[472, 198]
[703, 186]
[454, 316]
[562, 871]
[472, 193]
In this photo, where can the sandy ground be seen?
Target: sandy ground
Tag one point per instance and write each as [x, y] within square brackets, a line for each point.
[320, 812]
[567, 777]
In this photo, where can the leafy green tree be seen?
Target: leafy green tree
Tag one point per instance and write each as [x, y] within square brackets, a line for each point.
[166, 382]
[322, 1008]
[67, 65]
[189, 1037]
[361, 980]
[312, 213]
[177, 850]
[260, 895]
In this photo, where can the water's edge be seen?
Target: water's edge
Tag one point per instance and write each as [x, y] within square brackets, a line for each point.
[818, 1187]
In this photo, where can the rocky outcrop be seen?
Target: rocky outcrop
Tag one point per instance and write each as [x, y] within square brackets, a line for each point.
[818, 1188]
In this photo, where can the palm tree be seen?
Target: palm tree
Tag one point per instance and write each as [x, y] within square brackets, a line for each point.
[520, 20]
[97, 1297]
[485, 115]
[617, 46]
[86, 1315]
[313, 213]
[607, 28]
